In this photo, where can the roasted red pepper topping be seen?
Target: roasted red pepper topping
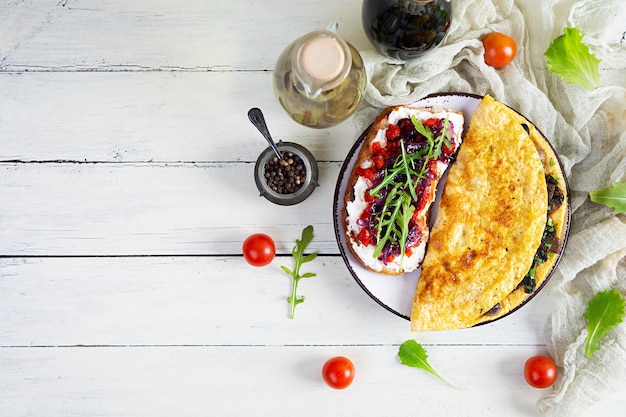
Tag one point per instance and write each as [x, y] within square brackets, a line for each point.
[365, 236]
[369, 198]
[393, 131]
[405, 133]
[365, 216]
[424, 197]
[431, 122]
[379, 161]
[369, 173]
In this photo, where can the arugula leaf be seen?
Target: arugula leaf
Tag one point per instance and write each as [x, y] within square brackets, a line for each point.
[387, 221]
[571, 60]
[614, 197]
[299, 258]
[401, 180]
[423, 130]
[402, 223]
[414, 355]
[605, 310]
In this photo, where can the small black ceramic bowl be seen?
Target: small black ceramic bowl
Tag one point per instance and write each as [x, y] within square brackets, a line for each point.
[305, 188]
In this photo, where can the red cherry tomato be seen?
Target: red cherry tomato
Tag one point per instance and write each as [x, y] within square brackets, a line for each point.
[338, 372]
[259, 249]
[499, 49]
[540, 371]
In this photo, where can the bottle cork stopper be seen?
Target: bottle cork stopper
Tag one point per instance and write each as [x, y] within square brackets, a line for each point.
[322, 58]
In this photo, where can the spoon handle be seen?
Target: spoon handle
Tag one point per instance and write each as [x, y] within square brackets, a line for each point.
[256, 117]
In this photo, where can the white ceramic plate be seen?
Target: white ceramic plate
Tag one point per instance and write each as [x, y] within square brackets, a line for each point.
[395, 293]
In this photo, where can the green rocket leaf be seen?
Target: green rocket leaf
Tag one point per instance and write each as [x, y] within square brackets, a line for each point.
[414, 355]
[605, 310]
[299, 258]
[614, 197]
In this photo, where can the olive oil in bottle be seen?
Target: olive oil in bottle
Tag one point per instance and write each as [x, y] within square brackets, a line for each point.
[319, 79]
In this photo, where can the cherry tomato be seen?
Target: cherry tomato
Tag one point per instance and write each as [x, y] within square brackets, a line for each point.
[540, 371]
[259, 249]
[338, 372]
[499, 49]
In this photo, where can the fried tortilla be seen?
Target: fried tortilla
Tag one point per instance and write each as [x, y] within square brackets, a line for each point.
[554, 234]
[490, 223]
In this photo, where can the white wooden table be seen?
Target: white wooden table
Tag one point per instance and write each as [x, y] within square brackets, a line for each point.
[126, 191]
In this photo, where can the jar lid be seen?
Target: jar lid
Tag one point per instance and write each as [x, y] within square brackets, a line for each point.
[322, 61]
[322, 58]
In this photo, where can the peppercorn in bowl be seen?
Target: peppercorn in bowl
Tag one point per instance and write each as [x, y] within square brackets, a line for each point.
[289, 180]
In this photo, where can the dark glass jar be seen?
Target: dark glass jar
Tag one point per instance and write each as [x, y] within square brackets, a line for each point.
[406, 29]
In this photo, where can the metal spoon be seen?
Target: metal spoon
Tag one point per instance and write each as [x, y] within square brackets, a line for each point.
[256, 117]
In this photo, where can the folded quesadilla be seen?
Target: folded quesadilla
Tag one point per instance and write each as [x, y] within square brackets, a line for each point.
[499, 223]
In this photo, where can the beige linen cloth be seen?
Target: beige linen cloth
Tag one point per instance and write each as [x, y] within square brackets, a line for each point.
[588, 130]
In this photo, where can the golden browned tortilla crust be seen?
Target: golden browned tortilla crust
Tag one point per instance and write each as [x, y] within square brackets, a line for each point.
[490, 222]
[551, 167]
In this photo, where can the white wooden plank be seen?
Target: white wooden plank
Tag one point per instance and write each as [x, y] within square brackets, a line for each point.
[214, 301]
[266, 381]
[160, 116]
[140, 35]
[150, 99]
[151, 209]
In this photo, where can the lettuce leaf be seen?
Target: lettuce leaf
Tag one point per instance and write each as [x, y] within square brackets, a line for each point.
[571, 60]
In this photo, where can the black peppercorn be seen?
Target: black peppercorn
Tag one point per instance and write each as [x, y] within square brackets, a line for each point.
[288, 182]
[287, 175]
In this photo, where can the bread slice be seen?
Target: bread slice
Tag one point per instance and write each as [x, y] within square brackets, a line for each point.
[386, 212]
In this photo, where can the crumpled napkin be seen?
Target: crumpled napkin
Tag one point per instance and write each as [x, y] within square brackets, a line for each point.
[588, 130]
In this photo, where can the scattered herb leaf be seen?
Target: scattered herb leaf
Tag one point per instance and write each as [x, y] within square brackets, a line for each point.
[571, 60]
[614, 197]
[414, 355]
[605, 310]
[299, 258]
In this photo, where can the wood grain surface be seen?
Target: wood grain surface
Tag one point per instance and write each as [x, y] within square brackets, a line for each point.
[126, 191]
